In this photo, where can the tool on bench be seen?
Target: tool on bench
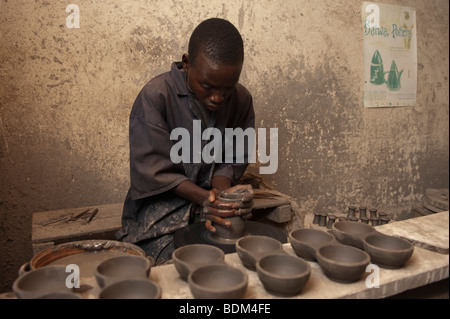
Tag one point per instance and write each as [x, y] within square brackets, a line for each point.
[75, 216]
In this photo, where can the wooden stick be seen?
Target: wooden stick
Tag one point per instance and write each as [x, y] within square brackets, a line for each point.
[94, 212]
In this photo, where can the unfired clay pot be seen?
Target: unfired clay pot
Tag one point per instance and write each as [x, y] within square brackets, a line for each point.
[283, 275]
[120, 268]
[342, 263]
[307, 241]
[237, 228]
[250, 249]
[60, 295]
[235, 231]
[188, 258]
[40, 282]
[388, 251]
[131, 289]
[351, 233]
[219, 281]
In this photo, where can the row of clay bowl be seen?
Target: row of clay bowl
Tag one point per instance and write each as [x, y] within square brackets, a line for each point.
[345, 254]
[280, 273]
[384, 250]
[343, 260]
[121, 277]
[209, 277]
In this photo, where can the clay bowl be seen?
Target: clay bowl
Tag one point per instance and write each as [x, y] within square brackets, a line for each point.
[252, 248]
[40, 282]
[238, 225]
[351, 233]
[283, 275]
[232, 233]
[342, 263]
[120, 268]
[307, 241]
[60, 295]
[218, 281]
[86, 254]
[131, 289]
[188, 258]
[388, 251]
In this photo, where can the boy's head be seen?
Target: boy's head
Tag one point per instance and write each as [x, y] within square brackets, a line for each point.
[214, 61]
[219, 40]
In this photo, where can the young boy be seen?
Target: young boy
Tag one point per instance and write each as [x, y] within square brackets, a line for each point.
[166, 195]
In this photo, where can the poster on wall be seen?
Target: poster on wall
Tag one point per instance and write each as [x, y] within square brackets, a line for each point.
[389, 55]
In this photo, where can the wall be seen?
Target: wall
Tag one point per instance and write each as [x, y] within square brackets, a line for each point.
[65, 97]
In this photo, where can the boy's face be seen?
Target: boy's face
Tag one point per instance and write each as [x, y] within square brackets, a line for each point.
[211, 83]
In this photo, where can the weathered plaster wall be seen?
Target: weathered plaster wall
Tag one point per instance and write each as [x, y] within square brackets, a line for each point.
[65, 97]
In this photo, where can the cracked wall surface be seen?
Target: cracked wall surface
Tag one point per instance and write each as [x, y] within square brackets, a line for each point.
[66, 94]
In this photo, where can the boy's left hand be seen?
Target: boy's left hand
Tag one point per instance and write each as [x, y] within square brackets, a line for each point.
[216, 210]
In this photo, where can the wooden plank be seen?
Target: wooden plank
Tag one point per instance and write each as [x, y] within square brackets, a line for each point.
[437, 198]
[430, 232]
[51, 225]
[280, 214]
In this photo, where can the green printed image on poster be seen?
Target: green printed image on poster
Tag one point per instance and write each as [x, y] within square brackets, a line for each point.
[389, 55]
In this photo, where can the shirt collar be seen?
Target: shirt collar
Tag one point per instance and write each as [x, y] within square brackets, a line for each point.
[179, 78]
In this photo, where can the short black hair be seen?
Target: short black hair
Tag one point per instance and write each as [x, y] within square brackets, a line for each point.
[219, 40]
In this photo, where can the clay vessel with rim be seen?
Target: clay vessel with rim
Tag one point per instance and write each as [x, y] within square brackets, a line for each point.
[342, 263]
[388, 251]
[131, 289]
[250, 249]
[307, 241]
[238, 225]
[40, 282]
[86, 254]
[188, 258]
[218, 281]
[120, 268]
[232, 233]
[351, 233]
[60, 295]
[283, 275]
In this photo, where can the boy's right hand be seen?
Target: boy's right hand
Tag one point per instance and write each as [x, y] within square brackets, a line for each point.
[216, 210]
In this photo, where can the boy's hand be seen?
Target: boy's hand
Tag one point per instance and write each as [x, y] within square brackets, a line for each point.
[216, 210]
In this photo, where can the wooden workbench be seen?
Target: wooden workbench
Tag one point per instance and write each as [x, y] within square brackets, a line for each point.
[51, 228]
[428, 264]
[425, 266]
